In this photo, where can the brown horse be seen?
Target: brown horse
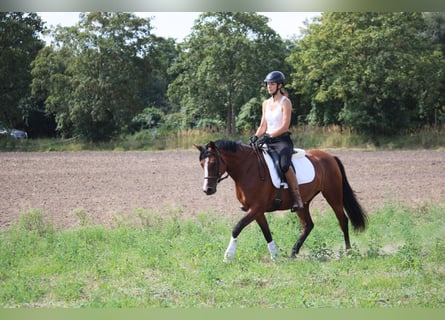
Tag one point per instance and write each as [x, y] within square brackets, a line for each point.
[257, 194]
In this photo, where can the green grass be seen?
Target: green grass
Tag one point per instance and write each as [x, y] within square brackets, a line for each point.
[308, 137]
[337, 137]
[159, 259]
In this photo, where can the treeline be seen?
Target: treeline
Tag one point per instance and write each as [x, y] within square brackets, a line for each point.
[110, 75]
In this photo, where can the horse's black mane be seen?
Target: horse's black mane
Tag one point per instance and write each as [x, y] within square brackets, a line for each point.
[227, 145]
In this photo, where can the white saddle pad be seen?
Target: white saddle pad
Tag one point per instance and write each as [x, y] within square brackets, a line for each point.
[304, 168]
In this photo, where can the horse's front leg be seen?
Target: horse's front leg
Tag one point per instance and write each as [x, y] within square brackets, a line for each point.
[231, 249]
[262, 222]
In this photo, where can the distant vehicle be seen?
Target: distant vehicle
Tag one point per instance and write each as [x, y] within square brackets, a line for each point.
[19, 134]
[15, 133]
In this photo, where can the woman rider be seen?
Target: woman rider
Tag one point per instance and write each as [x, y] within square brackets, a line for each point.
[275, 123]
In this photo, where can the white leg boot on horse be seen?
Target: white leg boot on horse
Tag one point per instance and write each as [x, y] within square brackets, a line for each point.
[273, 249]
[230, 251]
[294, 190]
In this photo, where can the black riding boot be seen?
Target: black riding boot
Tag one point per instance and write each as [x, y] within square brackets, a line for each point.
[294, 190]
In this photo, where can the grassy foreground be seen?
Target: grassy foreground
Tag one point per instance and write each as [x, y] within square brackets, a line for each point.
[156, 261]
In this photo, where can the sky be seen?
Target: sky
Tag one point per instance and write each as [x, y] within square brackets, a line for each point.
[178, 25]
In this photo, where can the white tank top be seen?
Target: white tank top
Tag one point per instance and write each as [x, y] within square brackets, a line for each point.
[274, 118]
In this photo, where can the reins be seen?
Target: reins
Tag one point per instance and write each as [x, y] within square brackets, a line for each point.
[220, 177]
[261, 162]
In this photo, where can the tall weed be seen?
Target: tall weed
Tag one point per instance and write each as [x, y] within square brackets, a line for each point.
[304, 136]
[34, 221]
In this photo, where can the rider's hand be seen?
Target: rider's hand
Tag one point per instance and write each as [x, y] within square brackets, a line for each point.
[264, 139]
[253, 139]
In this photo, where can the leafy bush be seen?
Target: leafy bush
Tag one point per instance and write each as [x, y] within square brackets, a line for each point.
[149, 118]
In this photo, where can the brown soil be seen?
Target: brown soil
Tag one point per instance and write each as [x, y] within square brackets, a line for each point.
[111, 186]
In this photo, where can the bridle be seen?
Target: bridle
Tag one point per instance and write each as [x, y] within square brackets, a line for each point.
[219, 177]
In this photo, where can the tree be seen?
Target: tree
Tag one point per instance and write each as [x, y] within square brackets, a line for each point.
[221, 65]
[160, 56]
[19, 45]
[368, 71]
[95, 74]
[436, 27]
[434, 112]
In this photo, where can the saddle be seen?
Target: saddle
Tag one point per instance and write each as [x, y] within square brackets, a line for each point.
[303, 167]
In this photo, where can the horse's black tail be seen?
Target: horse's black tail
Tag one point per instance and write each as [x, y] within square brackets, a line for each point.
[356, 214]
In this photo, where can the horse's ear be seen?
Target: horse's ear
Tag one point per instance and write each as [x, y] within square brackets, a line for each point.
[212, 145]
[199, 147]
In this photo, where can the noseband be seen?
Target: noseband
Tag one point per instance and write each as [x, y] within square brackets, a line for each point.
[219, 177]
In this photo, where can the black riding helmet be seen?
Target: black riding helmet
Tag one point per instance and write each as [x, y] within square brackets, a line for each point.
[275, 76]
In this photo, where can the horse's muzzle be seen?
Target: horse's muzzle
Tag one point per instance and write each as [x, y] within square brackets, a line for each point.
[209, 191]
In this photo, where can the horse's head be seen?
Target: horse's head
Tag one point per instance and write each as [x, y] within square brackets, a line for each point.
[213, 165]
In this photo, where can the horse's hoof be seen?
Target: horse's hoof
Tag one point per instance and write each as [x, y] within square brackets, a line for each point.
[228, 257]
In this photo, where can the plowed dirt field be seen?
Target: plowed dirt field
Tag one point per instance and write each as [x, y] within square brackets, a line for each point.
[110, 186]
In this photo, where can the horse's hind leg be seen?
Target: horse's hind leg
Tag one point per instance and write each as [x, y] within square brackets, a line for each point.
[306, 227]
[337, 206]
